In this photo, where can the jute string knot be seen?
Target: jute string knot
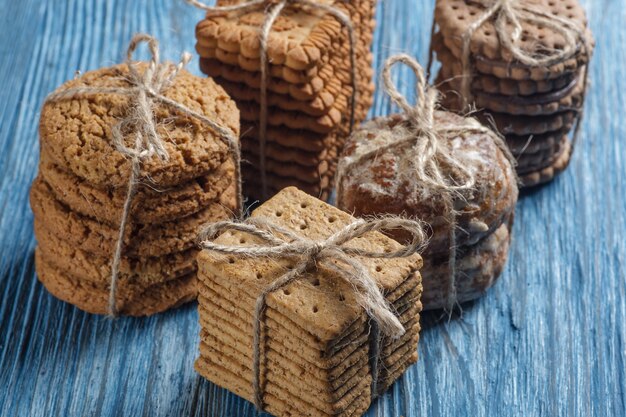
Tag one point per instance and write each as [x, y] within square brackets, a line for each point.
[145, 90]
[509, 13]
[430, 149]
[434, 166]
[273, 9]
[277, 242]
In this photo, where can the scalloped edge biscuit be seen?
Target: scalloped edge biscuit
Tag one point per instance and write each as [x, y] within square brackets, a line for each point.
[454, 17]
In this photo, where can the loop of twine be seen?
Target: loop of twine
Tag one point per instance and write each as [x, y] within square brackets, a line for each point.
[273, 9]
[279, 243]
[429, 153]
[144, 91]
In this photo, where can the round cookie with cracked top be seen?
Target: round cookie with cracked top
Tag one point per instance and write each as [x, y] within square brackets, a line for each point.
[95, 268]
[94, 298]
[150, 204]
[95, 236]
[381, 184]
[76, 132]
[455, 17]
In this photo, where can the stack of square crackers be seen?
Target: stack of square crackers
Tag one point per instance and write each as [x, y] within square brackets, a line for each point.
[533, 107]
[316, 343]
[79, 194]
[309, 87]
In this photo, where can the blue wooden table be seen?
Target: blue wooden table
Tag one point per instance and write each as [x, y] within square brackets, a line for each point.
[548, 339]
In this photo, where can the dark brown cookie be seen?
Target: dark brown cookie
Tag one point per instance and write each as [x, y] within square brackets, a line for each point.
[477, 268]
[546, 174]
[455, 17]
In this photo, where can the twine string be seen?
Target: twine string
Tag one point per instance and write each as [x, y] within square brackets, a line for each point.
[145, 90]
[430, 152]
[279, 243]
[273, 9]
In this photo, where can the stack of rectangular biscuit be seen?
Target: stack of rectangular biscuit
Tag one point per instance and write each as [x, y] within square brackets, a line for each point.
[309, 87]
[316, 340]
[79, 195]
[534, 107]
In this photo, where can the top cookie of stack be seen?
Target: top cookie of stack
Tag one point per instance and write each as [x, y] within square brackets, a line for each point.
[533, 105]
[308, 92]
[78, 197]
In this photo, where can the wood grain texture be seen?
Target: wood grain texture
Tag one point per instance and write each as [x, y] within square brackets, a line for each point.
[548, 339]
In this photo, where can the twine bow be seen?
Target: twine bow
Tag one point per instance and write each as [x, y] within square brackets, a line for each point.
[278, 242]
[513, 12]
[434, 166]
[145, 91]
[273, 9]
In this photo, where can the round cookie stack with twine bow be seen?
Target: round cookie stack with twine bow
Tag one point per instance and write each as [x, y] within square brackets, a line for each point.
[522, 67]
[284, 62]
[180, 170]
[449, 171]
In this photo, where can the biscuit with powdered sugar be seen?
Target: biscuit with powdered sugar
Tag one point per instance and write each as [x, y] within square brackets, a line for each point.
[384, 185]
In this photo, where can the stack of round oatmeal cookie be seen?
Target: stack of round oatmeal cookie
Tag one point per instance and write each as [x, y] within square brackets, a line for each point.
[308, 92]
[533, 106]
[79, 195]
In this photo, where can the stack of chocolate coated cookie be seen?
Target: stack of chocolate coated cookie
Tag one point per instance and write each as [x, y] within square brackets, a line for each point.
[308, 92]
[79, 195]
[316, 343]
[534, 107]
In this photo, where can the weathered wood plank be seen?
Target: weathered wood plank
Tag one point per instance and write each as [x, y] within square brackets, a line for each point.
[548, 339]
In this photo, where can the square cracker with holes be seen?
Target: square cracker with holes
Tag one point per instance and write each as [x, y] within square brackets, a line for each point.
[316, 339]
